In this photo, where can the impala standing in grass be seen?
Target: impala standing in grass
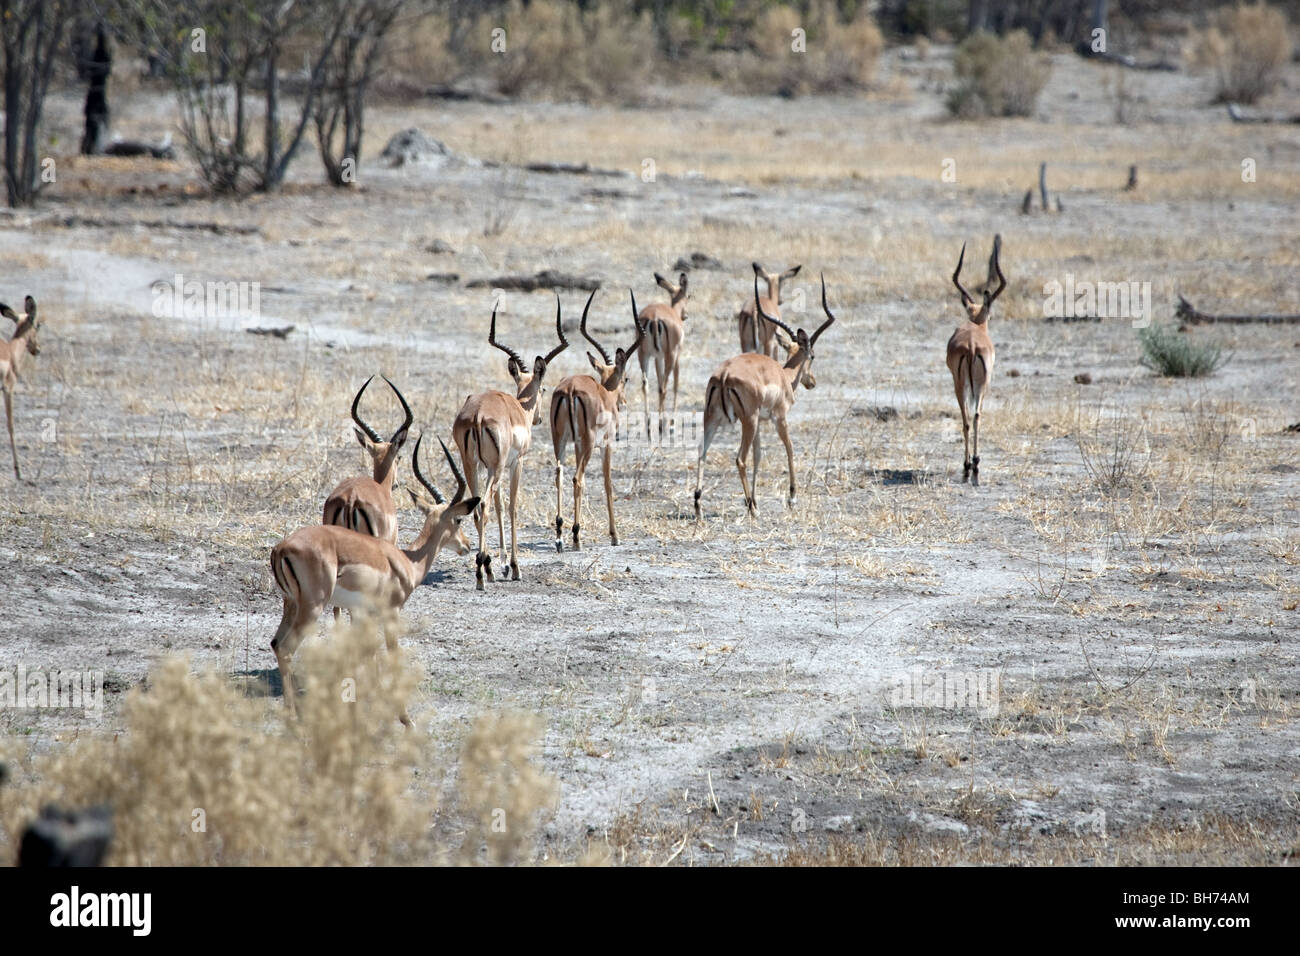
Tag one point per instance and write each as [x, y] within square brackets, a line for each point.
[970, 359]
[320, 565]
[665, 327]
[585, 410]
[493, 431]
[13, 355]
[749, 387]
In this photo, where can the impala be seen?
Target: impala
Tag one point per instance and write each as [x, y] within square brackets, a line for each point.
[13, 354]
[493, 431]
[970, 358]
[665, 328]
[366, 504]
[585, 410]
[757, 335]
[320, 565]
[748, 387]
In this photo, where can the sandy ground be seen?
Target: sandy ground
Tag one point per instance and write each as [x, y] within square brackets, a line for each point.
[733, 683]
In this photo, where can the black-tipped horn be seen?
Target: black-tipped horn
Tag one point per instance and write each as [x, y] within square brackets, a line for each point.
[492, 340]
[966, 298]
[640, 329]
[410, 418]
[460, 478]
[356, 417]
[995, 267]
[830, 318]
[582, 327]
[415, 467]
[559, 330]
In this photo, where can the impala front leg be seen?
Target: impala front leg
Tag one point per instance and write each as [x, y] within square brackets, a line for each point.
[9, 419]
[784, 432]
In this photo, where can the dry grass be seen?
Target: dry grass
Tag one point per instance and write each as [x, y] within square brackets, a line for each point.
[1246, 46]
[203, 775]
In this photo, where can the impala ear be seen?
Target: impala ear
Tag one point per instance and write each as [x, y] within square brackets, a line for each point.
[363, 438]
[791, 272]
[620, 357]
[461, 508]
[594, 364]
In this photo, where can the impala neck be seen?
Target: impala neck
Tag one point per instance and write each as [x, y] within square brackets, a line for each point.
[18, 350]
[425, 548]
[386, 466]
[794, 366]
[528, 393]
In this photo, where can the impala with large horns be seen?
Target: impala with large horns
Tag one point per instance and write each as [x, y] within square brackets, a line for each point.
[585, 411]
[756, 335]
[970, 358]
[363, 503]
[665, 327]
[13, 355]
[748, 387]
[493, 431]
[320, 565]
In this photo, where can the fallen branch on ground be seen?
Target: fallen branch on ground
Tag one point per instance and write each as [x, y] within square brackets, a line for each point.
[1190, 315]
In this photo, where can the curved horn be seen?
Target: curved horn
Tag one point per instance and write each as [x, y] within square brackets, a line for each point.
[758, 307]
[373, 435]
[559, 330]
[829, 316]
[410, 419]
[460, 478]
[966, 298]
[996, 267]
[582, 327]
[636, 320]
[492, 340]
[415, 467]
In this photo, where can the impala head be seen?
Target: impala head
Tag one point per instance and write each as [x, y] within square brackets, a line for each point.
[378, 449]
[611, 371]
[677, 292]
[801, 347]
[435, 507]
[978, 311]
[26, 324]
[773, 279]
[529, 384]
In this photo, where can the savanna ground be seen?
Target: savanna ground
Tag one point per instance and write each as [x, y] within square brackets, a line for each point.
[717, 693]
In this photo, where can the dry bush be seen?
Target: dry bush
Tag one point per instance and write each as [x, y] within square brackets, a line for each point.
[997, 76]
[1247, 46]
[553, 48]
[334, 787]
[836, 56]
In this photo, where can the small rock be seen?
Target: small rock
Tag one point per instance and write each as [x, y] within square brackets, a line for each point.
[440, 248]
[697, 261]
[447, 277]
[839, 824]
[1013, 373]
[415, 146]
[1083, 378]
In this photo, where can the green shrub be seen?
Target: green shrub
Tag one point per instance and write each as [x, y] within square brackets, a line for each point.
[997, 76]
[1173, 354]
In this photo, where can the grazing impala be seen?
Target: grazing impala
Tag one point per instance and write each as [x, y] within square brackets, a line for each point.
[664, 330]
[320, 565]
[970, 358]
[493, 431]
[366, 504]
[12, 356]
[748, 387]
[585, 410]
[757, 335]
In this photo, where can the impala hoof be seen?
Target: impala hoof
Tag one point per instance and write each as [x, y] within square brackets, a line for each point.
[514, 571]
[613, 539]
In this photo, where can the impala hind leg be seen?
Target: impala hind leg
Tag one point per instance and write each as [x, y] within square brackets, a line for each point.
[609, 493]
[287, 638]
[483, 560]
[748, 435]
[676, 371]
[582, 455]
[515, 474]
[561, 447]
[710, 428]
[783, 431]
[965, 429]
[975, 458]
[661, 380]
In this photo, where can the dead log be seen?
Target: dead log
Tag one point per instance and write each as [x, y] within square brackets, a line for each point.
[1132, 183]
[1042, 185]
[277, 331]
[546, 279]
[1188, 314]
[577, 169]
[216, 228]
[1027, 206]
[1240, 116]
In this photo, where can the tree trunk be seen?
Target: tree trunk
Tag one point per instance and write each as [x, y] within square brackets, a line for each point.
[97, 113]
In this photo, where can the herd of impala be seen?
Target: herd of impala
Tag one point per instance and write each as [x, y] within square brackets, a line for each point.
[352, 559]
